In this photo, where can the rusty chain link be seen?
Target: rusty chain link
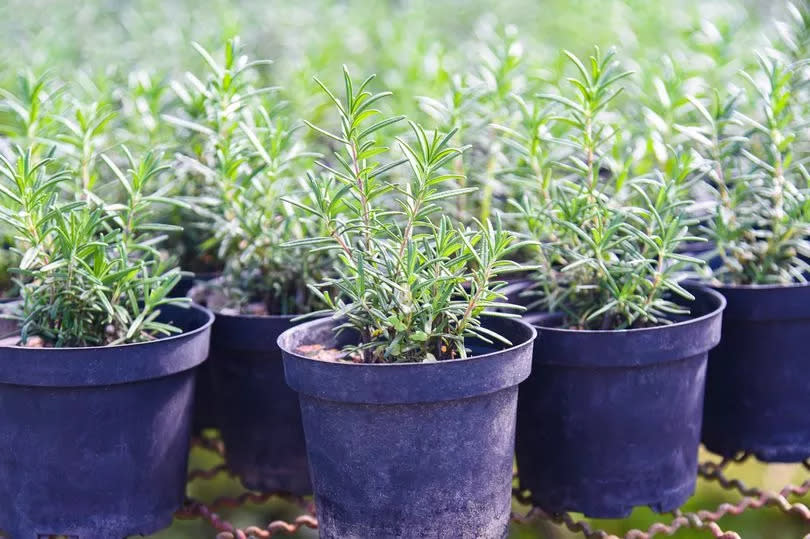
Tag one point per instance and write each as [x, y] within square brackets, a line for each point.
[752, 499]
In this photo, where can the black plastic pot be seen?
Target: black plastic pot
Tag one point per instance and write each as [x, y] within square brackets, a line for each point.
[204, 415]
[610, 420]
[94, 441]
[257, 413]
[411, 449]
[758, 382]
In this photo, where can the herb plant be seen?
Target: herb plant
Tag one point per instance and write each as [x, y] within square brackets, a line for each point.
[608, 242]
[206, 125]
[250, 155]
[411, 284]
[90, 273]
[757, 173]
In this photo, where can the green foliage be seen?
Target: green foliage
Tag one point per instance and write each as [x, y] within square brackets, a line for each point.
[26, 109]
[410, 284]
[608, 241]
[210, 150]
[758, 177]
[473, 102]
[89, 272]
[795, 33]
[82, 134]
[8, 260]
[477, 74]
[250, 155]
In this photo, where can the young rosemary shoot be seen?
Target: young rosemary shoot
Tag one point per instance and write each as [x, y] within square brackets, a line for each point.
[90, 273]
[410, 284]
[608, 243]
[26, 114]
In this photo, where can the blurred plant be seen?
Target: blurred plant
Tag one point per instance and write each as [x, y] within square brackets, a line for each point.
[412, 288]
[26, 115]
[84, 134]
[758, 180]
[142, 101]
[607, 261]
[473, 102]
[794, 33]
[662, 100]
[89, 274]
[252, 156]
[211, 146]
[8, 260]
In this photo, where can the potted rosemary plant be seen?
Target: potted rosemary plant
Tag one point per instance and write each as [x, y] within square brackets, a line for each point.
[757, 378]
[408, 391]
[611, 416]
[255, 157]
[96, 389]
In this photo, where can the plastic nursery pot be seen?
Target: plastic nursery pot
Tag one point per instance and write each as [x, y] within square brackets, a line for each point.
[758, 382]
[257, 413]
[204, 415]
[410, 449]
[610, 420]
[94, 441]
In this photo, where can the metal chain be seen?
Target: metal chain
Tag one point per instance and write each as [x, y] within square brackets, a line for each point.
[753, 498]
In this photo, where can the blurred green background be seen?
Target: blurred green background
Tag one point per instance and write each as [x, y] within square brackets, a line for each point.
[415, 47]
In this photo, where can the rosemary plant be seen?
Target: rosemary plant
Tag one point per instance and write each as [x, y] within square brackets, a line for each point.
[412, 285]
[207, 126]
[608, 241]
[758, 178]
[90, 273]
[251, 156]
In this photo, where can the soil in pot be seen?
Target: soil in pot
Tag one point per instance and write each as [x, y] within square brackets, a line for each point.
[758, 383]
[94, 441]
[410, 449]
[611, 420]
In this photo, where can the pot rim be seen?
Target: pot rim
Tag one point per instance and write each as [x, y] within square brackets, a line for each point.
[168, 338]
[695, 287]
[405, 383]
[306, 325]
[256, 316]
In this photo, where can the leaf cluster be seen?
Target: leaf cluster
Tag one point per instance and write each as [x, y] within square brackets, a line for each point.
[609, 241]
[410, 283]
[89, 273]
[758, 179]
[250, 153]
